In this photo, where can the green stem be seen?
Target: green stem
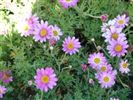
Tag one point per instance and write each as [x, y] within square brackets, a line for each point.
[63, 59]
[53, 56]
[9, 37]
[106, 53]
[65, 68]
[80, 12]
[92, 16]
[124, 85]
[41, 95]
[56, 61]
[95, 45]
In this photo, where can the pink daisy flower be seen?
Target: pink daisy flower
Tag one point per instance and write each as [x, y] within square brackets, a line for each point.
[71, 45]
[96, 59]
[5, 76]
[117, 48]
[42, 32]
[106, 26]
[122, 21]
[27, 24]
[107, 79]
[68, 3]
[45, 79]
[113, 34]
[104, 67]
[2, 91]
[55, 32]
[24, 28]
[123, 66]
[32, 20]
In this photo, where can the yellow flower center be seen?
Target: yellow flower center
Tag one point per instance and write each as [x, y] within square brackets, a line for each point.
[5, 76]
[121, 21]
[55, 33]
[45, 79]
[26, 28]
[124, 65]
[103, 68]
[70, 46]
[43, 33]
[97, 60]
[1, 91]
[115, 36]
[68, 0]
[118, 48]
[106, 79]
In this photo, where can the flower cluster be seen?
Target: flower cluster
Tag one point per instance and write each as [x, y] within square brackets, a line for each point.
[27, 25]
[116, 39]
[105, 73]
[47, 32]
[41, 31]
[45, 79]
[117, 45]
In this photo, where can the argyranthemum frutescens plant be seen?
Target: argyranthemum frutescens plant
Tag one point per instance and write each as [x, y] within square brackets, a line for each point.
[42, 43]
[117, 46]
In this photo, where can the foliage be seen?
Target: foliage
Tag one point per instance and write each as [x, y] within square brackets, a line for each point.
[23, 55]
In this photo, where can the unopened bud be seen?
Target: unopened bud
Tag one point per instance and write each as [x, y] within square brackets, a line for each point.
[52, 42]
[92, 39]
[84, 67]
[99, 48]
[91, 81]
[51, 48]
[30, 82]
[70, 66]
[44, 46]
[104, 17]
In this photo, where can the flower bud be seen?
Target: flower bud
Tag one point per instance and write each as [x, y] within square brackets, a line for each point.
[70, 66]
[91, 81]
[30, 82]
[84, 67]
[92, 39]
[51, 48]
[104, 17]
[99, 48]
